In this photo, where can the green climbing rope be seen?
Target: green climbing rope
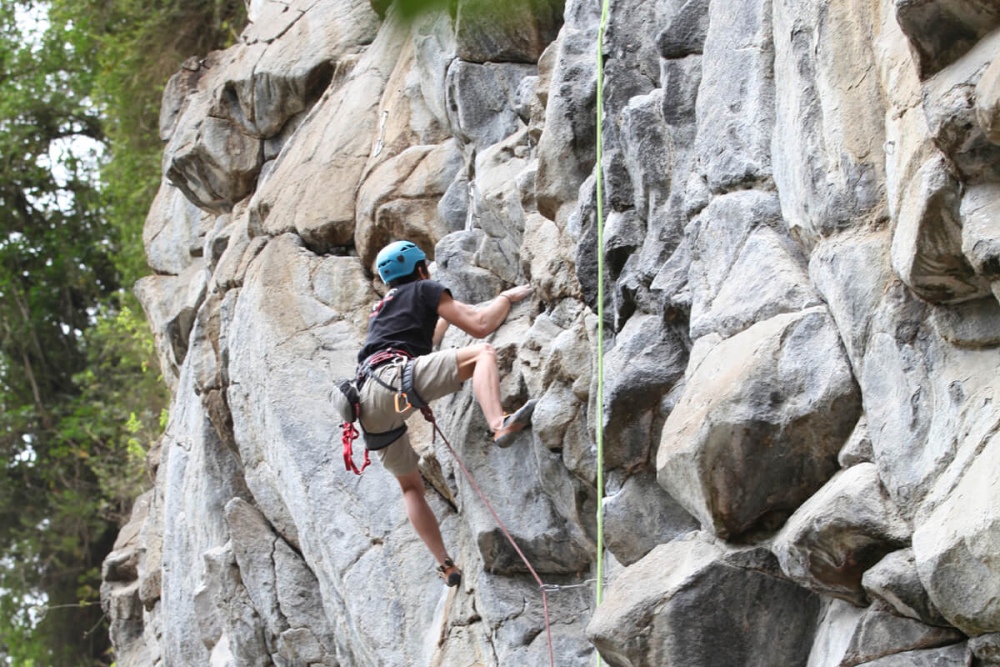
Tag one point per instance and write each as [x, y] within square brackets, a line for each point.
[600, 309]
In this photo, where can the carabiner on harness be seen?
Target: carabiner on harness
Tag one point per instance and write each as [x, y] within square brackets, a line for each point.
[408, 388]
[402, 402]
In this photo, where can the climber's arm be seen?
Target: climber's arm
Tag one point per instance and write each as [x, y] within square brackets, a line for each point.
[439, 330]
[481, 321]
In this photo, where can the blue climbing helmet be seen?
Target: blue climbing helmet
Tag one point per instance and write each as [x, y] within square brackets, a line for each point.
[398, 260]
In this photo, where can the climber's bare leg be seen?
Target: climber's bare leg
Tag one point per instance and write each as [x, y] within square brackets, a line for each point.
[479, 362]
[421, 515]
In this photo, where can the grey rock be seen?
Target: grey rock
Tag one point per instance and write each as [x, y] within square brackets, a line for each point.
[685, 33]
[949, 656]
[641, 516]
[986, 648]
[650, 616]
[214, 163]
[840, 532]
[828, 138]
[550, 264]
[972, 324]
[838, 621]
[170, 303]
[941, 31]
[672, 280]
[735, 232]
[173, 231]
[481, 100]
[950, 106]
[456, 267]
[853, 275]
[740, 450]
[283, 589]
[951, 546]
[566, 152]
[514, 32]
[927, 244]
[735, 122]
[208, 156]
[182, 84]
[988, 102]
[624, 234]
[398, 199]
[980, 236]
[881, 634]
[294, 50]
[894, 581]
[646, 152]
[645, 363]
[453, 207]
[858, 448]
[631, 58]
[120, 588]
[197, 473]
[799, 272]
[231, 631]
[344, 130]
[680, 81]
[502, 201]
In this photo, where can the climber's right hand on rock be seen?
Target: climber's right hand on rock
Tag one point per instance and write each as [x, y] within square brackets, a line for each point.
[518, 293]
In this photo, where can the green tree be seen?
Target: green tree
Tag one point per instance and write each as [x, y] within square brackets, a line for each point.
[140, 45]
[55, 268]
[80, 84]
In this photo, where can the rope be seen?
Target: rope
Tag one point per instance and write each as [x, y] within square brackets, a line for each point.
[429, 416]
[599, 418]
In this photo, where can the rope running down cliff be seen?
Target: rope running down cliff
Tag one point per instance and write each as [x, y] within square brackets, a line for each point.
[599, 417]
[543, 587]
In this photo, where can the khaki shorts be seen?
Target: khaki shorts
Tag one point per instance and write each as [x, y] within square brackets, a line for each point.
[434, 375]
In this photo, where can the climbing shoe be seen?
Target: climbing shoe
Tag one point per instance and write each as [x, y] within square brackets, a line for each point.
[450, 573]
[514, 424]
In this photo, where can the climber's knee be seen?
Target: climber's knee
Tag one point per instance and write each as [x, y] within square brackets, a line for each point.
[470, 357]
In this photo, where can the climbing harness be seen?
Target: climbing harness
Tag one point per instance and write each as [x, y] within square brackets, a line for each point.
[406, 398]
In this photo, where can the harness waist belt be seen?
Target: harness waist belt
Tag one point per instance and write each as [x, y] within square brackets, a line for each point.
[374, 441]
[376, 360]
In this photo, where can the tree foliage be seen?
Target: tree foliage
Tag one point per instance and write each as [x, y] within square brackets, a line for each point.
[55, 268]
[80, 398]
[141, 44]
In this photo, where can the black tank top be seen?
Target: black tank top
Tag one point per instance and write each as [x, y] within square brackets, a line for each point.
[404, 319]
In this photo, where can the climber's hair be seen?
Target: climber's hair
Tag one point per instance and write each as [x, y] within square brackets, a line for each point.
[413, 277]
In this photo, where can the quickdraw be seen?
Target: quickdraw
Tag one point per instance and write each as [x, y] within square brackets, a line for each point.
[350, 433]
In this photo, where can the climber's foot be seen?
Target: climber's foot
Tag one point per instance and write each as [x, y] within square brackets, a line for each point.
[514, 424]
[450, 573]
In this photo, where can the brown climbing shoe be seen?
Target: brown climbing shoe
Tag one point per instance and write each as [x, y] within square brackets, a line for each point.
[450, 573]
[514, 424]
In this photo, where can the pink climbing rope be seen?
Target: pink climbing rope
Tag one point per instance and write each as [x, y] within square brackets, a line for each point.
[429, 416]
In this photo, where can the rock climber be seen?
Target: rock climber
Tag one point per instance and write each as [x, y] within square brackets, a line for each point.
[398, 371]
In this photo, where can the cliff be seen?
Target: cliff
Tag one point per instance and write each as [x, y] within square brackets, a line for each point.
[802, 271]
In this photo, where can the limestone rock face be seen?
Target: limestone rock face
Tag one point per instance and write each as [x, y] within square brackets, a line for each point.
[655, 613]
[759, 424]
[840, 533]
[798, 355]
